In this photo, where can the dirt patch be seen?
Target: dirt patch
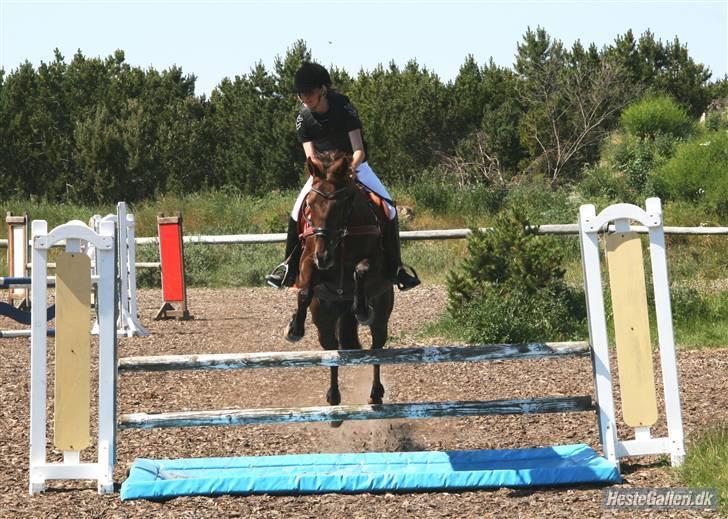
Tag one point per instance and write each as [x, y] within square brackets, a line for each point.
[248, 320]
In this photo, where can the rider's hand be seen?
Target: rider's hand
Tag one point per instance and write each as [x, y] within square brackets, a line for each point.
[352, 172]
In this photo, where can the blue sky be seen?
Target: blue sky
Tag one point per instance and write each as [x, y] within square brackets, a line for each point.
[216, 39]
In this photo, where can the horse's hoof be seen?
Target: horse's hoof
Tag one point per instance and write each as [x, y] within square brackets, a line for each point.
[377, 395]
[366, 319]
[336, 423]
[333, 398]
[293, 335]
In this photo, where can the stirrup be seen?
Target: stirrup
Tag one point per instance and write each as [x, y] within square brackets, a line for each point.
[406, 281]
[278, 276]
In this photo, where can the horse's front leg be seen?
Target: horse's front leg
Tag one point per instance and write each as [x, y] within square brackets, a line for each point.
[296, 326]
[361, 308]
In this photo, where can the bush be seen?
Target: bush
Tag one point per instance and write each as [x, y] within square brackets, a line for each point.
[432, 194]
[655, 116]
[717, 120]
[511, 288]
[697, 172]
[604, 182]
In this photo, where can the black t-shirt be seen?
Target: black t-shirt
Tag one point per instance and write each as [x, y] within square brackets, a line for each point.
[329, 131]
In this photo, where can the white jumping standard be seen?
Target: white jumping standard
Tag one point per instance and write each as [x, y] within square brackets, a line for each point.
[102, 471]
[128, 322]
[639, 412]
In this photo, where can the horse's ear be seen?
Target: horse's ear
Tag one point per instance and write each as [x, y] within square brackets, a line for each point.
[313, 167]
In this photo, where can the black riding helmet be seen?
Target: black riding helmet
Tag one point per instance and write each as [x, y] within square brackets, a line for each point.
[310, 76]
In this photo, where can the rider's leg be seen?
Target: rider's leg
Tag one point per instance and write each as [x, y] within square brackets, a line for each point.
[285, 274]
[395, 268]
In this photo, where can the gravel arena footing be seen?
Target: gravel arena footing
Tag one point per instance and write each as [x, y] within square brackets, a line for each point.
[253, 319]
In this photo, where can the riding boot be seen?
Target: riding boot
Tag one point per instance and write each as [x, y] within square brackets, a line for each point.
[285, 274]
[396, 270]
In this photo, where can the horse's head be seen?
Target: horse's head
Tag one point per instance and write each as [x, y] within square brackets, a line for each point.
[329, 203]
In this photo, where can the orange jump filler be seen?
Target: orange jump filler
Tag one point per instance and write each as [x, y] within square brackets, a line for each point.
[171, 257]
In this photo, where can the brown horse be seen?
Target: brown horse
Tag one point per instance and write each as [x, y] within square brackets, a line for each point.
[342, 269]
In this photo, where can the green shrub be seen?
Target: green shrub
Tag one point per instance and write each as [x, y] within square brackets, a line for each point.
[510, 287]
[716, 120]
[653, 116]
[433, 195]
[697, 172]
[539, 201]
[606, 183]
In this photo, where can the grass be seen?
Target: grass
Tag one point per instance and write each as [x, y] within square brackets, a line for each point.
[706, 464]
[695, 262]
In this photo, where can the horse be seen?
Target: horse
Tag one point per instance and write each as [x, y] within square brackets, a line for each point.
[342, 267]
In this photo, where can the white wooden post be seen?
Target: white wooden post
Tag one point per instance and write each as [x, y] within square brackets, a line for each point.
[589, 241]
[590, 225]
[128, 322]
[72, 467]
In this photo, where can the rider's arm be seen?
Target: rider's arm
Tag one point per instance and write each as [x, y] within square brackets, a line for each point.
[357, 144]
[308, 149]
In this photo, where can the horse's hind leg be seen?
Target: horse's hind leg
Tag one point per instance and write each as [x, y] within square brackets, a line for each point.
[380, 332]
[325, 320]
[379, 337]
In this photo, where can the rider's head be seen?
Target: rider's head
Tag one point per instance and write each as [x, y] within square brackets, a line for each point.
[311, 83]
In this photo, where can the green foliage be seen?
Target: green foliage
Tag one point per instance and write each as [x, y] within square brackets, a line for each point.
[402, 111]
[706, 463]
[510, 287]
[605, 183]
[572, 98]
[699, 317]
[697, 172]
[97, 130]
[716, 121]
[542, 203]
[654, 116]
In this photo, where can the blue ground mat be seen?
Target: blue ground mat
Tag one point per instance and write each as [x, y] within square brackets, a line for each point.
[367, 472]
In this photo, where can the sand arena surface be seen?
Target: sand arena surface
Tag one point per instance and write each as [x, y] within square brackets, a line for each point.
[253, 319]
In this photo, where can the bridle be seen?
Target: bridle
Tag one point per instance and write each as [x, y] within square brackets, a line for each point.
[345, 193]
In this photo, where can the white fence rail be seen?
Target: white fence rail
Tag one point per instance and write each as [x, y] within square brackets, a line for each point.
[435, 234]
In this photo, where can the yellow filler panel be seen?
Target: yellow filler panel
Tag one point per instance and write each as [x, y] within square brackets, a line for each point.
[632, 329]
[72, 395]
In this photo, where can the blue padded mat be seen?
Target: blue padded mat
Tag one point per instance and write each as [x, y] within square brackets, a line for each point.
[368, 472]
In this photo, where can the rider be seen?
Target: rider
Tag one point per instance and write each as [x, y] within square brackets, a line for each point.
[328, 122]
